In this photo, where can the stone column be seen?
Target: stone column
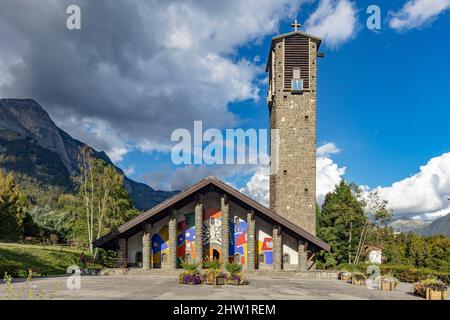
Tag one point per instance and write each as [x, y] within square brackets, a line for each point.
[311, 260]
[199, 232]
[302, 256]
[146, 247]
[225, 209]
[277, 249]
[251, 241]
[173, 240]
[122, 254]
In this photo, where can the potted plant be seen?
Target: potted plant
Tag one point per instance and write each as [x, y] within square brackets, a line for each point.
[212, 274]
[358, 278]
[431, 289]
[214, 277]
[190, 275]
[345, 276]
[235, 276]
[388, 283]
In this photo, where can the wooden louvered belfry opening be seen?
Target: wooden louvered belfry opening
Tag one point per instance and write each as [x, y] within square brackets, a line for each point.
[296, 55]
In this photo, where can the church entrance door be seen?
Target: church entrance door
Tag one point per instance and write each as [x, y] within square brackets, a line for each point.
[215, 255]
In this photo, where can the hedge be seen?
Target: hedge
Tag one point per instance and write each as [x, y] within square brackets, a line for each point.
[403, 273]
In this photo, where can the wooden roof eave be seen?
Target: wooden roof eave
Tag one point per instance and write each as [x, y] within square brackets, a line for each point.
[164, 208]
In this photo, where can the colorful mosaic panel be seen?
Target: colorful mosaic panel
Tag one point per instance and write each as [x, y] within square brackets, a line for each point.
[265, 247]
[238, 240]
[160, 244]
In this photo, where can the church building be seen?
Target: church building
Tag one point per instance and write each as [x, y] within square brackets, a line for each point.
[212, 220]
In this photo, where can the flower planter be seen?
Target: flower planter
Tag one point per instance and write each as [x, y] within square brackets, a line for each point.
[219, 281]
[213, 280]
[358, 282]
[387, 286]
[345, 278]
[233, 282]
[189, 279]
[431, 294]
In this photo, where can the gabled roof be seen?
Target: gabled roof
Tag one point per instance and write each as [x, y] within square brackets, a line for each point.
[179, 200]
[285, 35]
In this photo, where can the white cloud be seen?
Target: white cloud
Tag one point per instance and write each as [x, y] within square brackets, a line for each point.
[334, 21]
[129, 171]
[258, 186]
[99, 135]
[328, 175]
[327, 149]
[144, 68]
[423, 195]
[416, 13]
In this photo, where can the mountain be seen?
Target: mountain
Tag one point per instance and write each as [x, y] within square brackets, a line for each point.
[31, 145]
[438, 226]
[405, 224]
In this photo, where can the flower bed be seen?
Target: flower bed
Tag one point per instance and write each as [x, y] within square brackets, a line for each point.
[345, 276]
[191, 275]
[186, 278]
[235, 276]
[358, 278]
[213, 277]
[236, 280]
[431, 289]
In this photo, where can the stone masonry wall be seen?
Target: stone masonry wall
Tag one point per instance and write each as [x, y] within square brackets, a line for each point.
[293, 186]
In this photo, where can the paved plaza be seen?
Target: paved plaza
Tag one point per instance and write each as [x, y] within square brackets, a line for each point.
[166, 287]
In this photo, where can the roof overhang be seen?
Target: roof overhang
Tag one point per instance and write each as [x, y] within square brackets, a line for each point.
[185, 197]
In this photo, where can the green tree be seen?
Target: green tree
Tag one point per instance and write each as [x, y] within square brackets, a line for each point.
[340, 223]
[377, 215]
[12, 208]
[106, 203]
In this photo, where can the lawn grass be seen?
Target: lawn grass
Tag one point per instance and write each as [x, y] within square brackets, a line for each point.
[52, 260]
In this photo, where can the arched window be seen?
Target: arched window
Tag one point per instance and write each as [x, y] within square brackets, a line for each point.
[261, 258]
[237, 258]
[286, 259]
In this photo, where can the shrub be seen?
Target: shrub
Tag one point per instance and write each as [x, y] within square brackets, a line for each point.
[411, 274]
[11, 270]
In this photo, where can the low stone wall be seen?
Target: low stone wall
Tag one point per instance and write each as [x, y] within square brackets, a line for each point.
[114, 272]
[315, 274]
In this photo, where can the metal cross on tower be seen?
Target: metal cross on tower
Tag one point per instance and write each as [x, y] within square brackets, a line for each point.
[296, 25]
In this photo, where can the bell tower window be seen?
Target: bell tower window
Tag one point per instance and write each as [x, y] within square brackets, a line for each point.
[297, 82]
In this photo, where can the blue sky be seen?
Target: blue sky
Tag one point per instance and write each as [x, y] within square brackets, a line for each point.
[383, 100]
[138, 70]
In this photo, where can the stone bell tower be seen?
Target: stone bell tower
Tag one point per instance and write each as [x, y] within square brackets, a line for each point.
[292, 66]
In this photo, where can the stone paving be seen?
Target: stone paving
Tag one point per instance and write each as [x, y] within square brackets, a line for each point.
[166, 287]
